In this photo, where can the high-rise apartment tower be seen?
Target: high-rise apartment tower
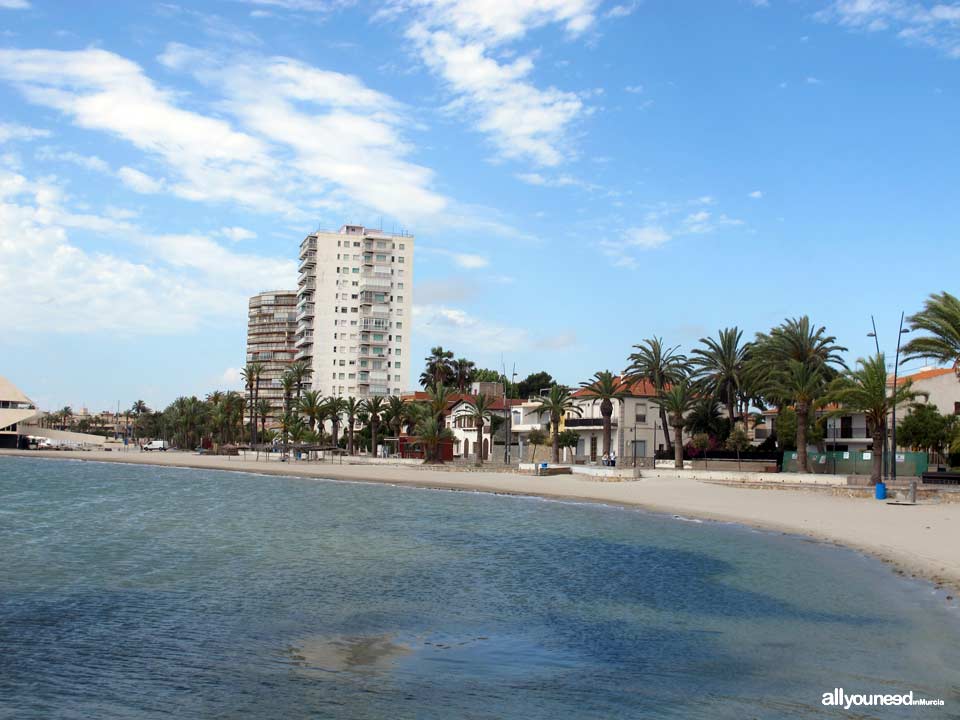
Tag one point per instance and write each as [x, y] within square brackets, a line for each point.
[354, 311]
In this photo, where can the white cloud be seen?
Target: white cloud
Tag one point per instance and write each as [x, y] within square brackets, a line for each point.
[14, 4]
[810, 80]
[458, 40]
[756, 194]
[139, 181]
[237, 234]
[561, 180]
[90, 162]
[13, 131]
[560, 341]
[466, 332]
[635, 89]
[703, 222]
[231, 378]
[467, 261]
[619, 11]
[647, 237]
[178, 282]
[349, 143]
[936, 26]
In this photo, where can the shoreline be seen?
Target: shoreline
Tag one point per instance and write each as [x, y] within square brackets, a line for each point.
[917, 541]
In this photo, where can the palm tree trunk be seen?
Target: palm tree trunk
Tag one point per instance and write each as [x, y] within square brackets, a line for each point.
[606, 434]
[555, 430]
[478, 446]
[876, 470]
[803, 411]
[374, 423]
[730, 413]
[666, 433]
[678, 446]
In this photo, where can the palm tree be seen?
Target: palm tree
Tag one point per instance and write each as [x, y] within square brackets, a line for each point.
[374, 408]
[719, 367]
[463, 373]
[557, 403]
[66, 415]
[398, 413]
[439, 367]
[311, 405]
[264, 411]
[300, 371]
[288, 384]
[941, 318]
[661, 367]
[352, 407]
[335, 406]
[865, 390]
[676, 401]
[251, 379]
[605, 388]
[438, 398]
[479, 410]
[430, 432]
[802, 385]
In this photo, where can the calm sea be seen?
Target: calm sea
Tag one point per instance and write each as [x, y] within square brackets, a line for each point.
[147, 592]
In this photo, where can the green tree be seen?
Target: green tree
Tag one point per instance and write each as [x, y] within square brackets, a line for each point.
[793, 364]
[335, 407]
[479, 411]
[705, 418]
[676, 401]
[606, 388]
[701, 442]
[464, 372]
[311, 407]
[439, 368]
[940, 318]
[719, 367]
[738, 440]
[374, 408]
[352, 408]
[864, 390]
[251, 379]
[300, 372]
[536, 438]
[659, 366]
[568, 439]
[926, 429]
[533, 383]
[557, 403]
[430, 432]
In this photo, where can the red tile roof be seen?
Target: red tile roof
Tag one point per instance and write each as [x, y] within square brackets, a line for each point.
[922, 375]
[640, 388]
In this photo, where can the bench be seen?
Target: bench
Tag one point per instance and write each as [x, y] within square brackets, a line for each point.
[941, 478]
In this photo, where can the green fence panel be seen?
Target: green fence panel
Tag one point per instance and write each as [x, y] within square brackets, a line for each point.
[855, 462]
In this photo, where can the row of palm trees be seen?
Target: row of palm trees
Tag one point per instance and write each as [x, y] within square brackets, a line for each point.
[795, 365]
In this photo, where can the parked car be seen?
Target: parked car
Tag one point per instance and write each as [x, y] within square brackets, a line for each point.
[160, 445]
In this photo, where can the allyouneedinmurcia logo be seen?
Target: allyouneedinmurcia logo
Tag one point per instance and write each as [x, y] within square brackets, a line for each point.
[838, 698]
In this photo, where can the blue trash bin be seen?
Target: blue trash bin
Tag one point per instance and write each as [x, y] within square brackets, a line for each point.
[880, 492]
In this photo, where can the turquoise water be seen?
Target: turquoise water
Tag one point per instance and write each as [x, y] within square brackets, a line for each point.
[146, 592]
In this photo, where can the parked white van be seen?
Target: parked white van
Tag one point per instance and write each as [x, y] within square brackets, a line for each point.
[161, 445]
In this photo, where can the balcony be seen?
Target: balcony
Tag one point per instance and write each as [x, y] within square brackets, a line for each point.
[308, 260]
[304, 353]
[307, 285]
[305, 339]
[305, 312]
[369, 282]
[575, 422]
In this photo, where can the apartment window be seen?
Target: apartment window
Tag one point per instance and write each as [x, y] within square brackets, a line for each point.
[356, 244]
[343, 309]
[956, 408]
[353, 297]
[351, 376]
[397, 352]
[381, 258]
[341, 376]
[396, 378]
[402, 247]
[399, 286]
[399, 311]
[399, 298]
[356, 270]
[397, 365]
[400, 259]
[399, 338]
[334, 376]
[353, 310]
[400, 273]
[641, 414]
[399, 325]
[343, 363]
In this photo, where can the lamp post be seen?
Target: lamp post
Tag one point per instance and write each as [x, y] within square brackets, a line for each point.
[893, 423]
[883, 450]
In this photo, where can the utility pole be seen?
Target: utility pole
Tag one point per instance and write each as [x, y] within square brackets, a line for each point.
[883, 451]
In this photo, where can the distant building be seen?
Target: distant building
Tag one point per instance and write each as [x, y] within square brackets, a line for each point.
[354, 311]
[271, 331]
[16, 409]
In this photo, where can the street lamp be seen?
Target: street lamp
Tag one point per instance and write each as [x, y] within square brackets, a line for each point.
[893, 424]
[883, 451]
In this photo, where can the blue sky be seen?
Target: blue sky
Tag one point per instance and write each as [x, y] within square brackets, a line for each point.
[579, 174]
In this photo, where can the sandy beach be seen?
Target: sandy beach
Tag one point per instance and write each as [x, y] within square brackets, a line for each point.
[920, 540]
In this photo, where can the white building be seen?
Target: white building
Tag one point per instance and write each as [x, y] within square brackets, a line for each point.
[271, 326]
[354, 311]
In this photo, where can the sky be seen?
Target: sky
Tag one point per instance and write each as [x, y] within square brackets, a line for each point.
[579, 174]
